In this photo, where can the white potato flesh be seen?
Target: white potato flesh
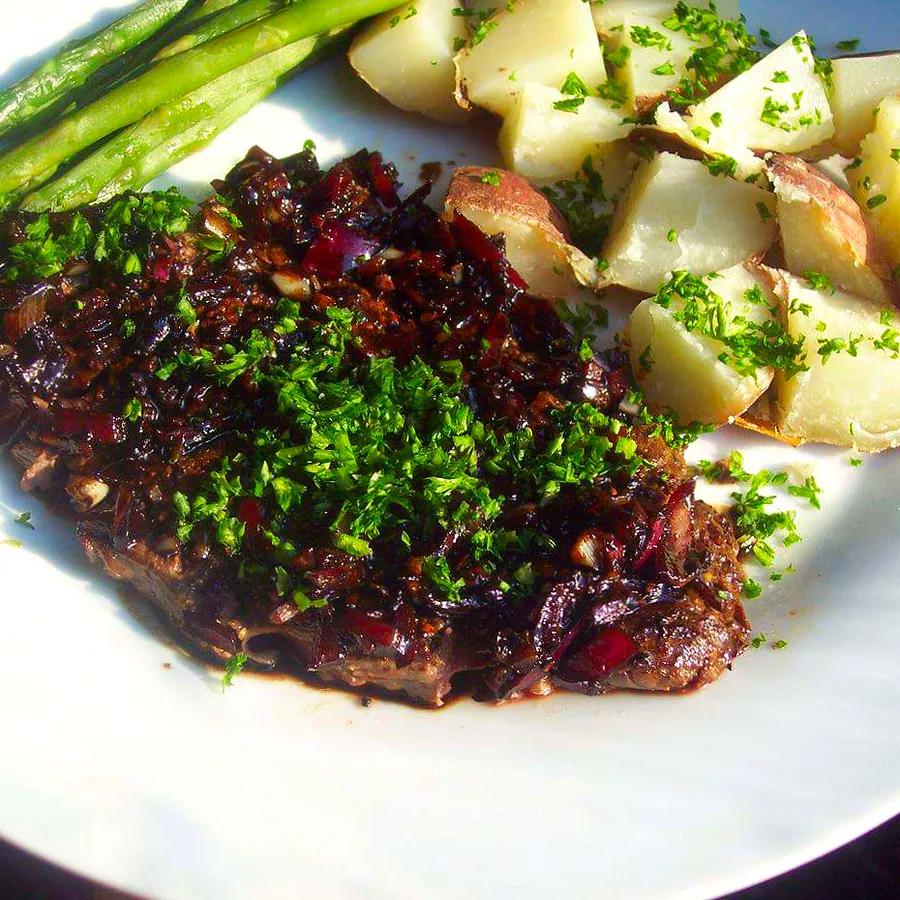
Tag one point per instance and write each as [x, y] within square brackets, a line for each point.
[778, 104]
[824, 230]
[532, 41]
[669, 125]
[860, 84]
[876, 182]
[546, 144]
[500, 202]
[676, 215]
[407, 56]
[609, 15]
[645, 45]
[851, 401]
[680, 371]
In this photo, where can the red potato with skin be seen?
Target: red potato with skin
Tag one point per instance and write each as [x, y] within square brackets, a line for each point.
[537, 237]
[824, 230]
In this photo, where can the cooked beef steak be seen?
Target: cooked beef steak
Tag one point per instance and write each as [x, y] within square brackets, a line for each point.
[558, 546]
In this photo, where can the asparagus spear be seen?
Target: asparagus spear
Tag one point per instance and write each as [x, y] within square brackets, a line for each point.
[22, 168]
[236, 15]
[138, 154]
[75, 63]
[206, 8]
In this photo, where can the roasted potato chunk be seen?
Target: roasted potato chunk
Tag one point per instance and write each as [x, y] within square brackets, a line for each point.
[536, 235]
[824, 230]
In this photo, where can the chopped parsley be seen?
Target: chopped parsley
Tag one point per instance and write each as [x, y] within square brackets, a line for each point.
[584, 205]
[755, 524]
[614, 91]
[569, 104]
[643, 36]
[809, 490]
[721, 164]
[233, 668]
[492, 178]
[749, 345]
[133, 410]
[725, 49]
[121, 237]
[849, 44]
[819, 282]
[24, 519]
[574, 86]
[619, 56]
[374, 450]
[752, 589]
[875, 201]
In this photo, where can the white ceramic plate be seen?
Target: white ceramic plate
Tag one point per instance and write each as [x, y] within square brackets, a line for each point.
[149, 778]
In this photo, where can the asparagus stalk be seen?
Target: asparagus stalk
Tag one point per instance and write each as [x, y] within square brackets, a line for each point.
[206, 8]
[211, 27]
[22, 168]
[137, 155]
[77, 61]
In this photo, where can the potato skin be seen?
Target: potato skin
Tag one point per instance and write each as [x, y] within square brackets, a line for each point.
[514, 196]
[824, 230]
[537, 236]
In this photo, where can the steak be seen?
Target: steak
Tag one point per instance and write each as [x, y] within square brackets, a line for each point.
[321, 427]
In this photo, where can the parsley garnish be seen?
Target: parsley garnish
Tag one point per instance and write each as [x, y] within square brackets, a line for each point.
[725, 50]
[492, 178]
[121, 237]
[644, 36]
[849, 44]
[752, 589]
[24, 519]
[581, 201]
[819, 282]
[613, 91]
[233, 668]
[570, 104]
[619, 56]
[749, 345]
[877, 200]
[133, 410]
[809, 490]
[375, 450]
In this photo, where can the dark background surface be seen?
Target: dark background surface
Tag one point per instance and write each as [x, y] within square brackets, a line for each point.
[867, 869]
